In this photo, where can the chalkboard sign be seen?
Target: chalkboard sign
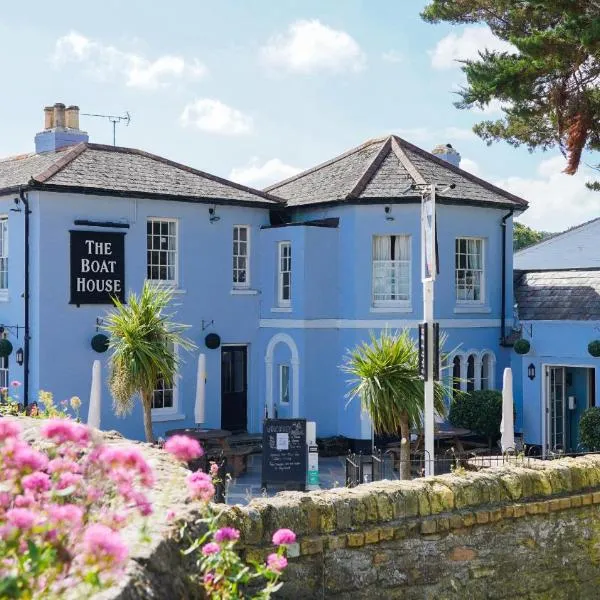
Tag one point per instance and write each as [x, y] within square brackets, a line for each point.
[284, 456]
[97, 267]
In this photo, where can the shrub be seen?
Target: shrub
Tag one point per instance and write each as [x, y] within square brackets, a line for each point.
[594, 348]
[479, 411]
[589, 428]
[522, 346]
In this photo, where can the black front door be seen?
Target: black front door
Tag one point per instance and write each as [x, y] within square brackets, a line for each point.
[234, 395]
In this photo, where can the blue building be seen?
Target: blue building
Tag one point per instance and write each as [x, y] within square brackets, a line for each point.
[288, 278]
[557, 290]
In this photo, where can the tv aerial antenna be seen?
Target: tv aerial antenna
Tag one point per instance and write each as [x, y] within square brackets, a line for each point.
[114, 119]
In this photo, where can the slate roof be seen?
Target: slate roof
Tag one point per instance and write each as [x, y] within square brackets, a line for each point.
[95, 168]
[381, 170]
[558, 295]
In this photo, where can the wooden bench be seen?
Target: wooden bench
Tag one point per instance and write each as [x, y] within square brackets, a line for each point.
[237, 458]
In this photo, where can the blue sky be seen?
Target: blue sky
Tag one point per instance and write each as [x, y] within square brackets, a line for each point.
[257, 90]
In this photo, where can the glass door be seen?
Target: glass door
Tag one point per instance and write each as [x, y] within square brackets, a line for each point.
[556, 408]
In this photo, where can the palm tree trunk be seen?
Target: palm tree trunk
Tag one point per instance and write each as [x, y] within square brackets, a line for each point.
[147, 406]
[404, 447]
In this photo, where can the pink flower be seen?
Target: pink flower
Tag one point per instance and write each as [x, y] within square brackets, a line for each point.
[69, 514]
[283, 537]
[15, 384]
[26, 458]
[58, 465]
[226, 534]
[208, 578]
[21, 518]
[183, 448]
[214, 469]
[9, 429]
[142, 503]
[210, 548]
[36, 482]
[63, 430]
[129, 458]
[67, 480]
[104, 544]
[24, 501]
[276, 563]
[170, 515]
[200, 486]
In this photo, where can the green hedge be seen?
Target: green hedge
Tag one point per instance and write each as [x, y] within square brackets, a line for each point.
[589, 428]
[479, 411]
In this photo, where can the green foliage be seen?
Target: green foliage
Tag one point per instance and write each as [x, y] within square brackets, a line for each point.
[522, 346]
[385, 378]
[549, 86]
[594, 348]
[143, 342]
[479, 411]
[524, 236]
[589, 428]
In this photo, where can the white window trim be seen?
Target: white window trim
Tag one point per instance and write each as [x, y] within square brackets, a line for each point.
[4, 291]
[6, 370]
[170, 413]
[392, 305]
[174, 283]
[477, 361]
[246, 285]
[289, 370]
[482, 300]
[283, 302]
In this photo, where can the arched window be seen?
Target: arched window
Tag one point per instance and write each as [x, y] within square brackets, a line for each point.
[487, 371]
[471, 373]
[456, 373]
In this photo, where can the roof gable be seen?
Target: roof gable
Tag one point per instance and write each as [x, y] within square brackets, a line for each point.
[384, 169]
[95, 168]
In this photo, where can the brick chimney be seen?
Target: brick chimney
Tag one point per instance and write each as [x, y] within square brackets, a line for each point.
[61, 128]
[448, 153]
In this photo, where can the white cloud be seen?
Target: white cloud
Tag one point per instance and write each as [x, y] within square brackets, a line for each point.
[556, 201]
[392, 56]
[108, 62]
[215, 117]
[258, 175]
[471, 166]
[311, 46]
[467, 45]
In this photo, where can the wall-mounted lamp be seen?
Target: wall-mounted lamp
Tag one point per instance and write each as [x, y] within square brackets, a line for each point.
[20, 356]
[388, 213]
[212, 216]
[531, 371]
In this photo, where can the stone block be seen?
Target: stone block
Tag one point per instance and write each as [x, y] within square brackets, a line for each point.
[428, 526]
[335, 542]
[386, 534]
[495, 515]
[469, 520]
[576, 501]
[586, 499]
[372, 536]
[554, 505]
[443, 524]
[311, 546]
[565, 503]
[380, 558]
[519, 510]
[355, 540]
[462, 553]
[596, 498]
[456, 522]
[482, 517]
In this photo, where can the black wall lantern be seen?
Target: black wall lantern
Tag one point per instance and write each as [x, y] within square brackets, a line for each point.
[100, 342]
[20, 356]
[212, 341]
[531, 371]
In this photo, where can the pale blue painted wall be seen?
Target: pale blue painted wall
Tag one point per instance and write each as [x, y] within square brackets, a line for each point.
[560, 343]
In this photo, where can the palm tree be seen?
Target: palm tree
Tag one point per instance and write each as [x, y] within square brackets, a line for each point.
[143, 341]
[385, 377]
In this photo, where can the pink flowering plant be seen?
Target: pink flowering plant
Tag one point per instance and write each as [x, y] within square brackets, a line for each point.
[62, 510]
[223, 574]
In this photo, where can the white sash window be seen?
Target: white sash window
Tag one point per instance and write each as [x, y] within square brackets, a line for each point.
[469, 271]
[391, 270]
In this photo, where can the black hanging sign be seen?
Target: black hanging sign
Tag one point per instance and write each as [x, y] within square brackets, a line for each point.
[97, 267]
[284, 453]
[423, 351]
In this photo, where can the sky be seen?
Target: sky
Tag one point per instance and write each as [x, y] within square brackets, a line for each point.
[257, 91]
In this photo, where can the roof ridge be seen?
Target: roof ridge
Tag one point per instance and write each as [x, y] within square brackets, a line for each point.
[557, 234]
[65, 159]
[192, 170]
[369, 172]
[325, 164]
[406, 163]
[482, 182]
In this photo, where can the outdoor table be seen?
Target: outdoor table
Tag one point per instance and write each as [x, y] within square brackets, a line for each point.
[218, 436]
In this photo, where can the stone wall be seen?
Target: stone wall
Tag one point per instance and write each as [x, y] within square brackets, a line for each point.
[509, 532]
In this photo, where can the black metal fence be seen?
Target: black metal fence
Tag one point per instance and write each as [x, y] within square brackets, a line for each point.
[364, 468]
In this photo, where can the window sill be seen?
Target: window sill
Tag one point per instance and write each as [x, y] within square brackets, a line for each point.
[472, 308]
[4, 296]
[282, 309]
[391, 309]
[159, 418]
[243, 292]
[167, 284]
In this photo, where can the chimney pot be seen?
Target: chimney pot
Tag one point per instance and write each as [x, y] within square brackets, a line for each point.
[72, 117]
[48, 117]
[59, 114]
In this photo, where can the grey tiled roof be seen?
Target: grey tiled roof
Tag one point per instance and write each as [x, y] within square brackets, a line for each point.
[97, 168]
[558, 295]
[383, 169]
